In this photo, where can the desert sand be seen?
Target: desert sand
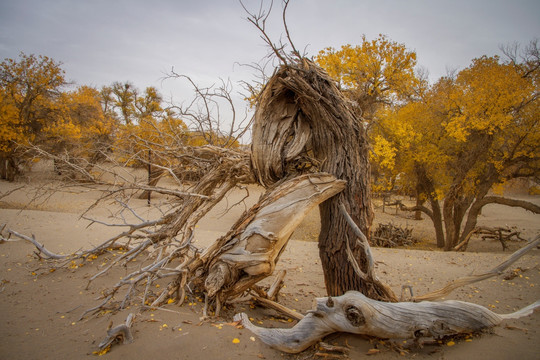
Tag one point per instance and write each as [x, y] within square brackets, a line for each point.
[40, 309]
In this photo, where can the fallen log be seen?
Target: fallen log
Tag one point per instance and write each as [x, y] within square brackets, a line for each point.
[355, 313]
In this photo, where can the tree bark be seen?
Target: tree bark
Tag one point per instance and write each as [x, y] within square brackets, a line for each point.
[437, 222]
[153, 178]
[8, 168]
[419, 202]
[302, 118]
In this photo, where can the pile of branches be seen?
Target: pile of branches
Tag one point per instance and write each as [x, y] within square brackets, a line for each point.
[390, 235]
[164, 243]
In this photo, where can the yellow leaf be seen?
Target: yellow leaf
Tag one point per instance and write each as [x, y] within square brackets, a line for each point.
[235, 340]
[450, 343]
[103, 351]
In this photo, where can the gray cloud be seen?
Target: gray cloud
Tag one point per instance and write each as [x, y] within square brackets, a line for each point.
[104, 41]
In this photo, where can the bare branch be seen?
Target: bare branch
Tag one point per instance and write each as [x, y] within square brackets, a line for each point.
[497, 270]
[510, 202]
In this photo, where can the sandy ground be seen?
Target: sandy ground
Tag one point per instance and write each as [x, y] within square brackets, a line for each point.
[40, 310]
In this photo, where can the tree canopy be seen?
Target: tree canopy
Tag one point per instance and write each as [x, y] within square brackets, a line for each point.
[40, 109]
[373, 74]
[467, 134]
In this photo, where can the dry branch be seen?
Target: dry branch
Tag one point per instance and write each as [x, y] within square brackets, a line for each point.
[437, 294]
[278, 307]
[501, 234]
[251, 251]
[390, 235]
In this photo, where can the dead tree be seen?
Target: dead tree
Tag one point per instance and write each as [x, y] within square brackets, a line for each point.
[303, 123]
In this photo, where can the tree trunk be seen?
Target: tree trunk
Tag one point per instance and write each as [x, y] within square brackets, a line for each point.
[303, 123]
[425, 186]
[8, 168]
[419, 203]
[3, 168]
[153, 178]
[437, 222]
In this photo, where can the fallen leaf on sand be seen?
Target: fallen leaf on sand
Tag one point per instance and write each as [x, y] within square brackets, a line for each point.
[236, 324]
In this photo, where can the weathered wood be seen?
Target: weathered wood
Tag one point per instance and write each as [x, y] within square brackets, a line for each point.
[355, 313]
[251, 253]
[303, 122]
[120, 333]
[278, 307]
[390, 235]
[273, 290]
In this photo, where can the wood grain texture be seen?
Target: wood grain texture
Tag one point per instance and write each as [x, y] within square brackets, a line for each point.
[355, 313]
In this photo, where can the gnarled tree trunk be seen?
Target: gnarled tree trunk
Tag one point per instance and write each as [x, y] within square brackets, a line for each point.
[302, 123]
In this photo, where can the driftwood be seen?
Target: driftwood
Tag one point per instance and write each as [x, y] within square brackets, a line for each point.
[467, 280]
[355, 313]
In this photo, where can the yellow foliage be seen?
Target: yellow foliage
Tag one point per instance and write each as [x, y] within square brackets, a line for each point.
[27, 89]
[466, 133]
[384, 153]
[376, 71]
[150, 134]
[484, 98]
[78, 124]
[11, 127]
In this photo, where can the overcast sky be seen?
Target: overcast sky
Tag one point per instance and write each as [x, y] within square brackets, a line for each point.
[102, 41]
